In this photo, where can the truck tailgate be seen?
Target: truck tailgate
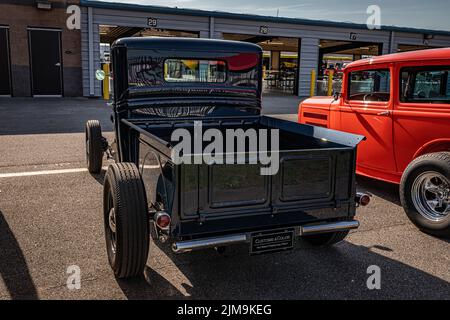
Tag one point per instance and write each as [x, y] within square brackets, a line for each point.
[306, 179]
[316, 171]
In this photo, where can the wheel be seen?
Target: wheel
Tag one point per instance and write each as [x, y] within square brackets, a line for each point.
[94, 150]
[325, 239]
[425, 193]
[126, 220]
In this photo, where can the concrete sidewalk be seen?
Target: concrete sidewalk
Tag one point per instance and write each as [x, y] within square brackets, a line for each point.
[68, 115]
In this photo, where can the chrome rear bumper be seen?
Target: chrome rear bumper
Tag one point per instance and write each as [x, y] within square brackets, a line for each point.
[186, 246]
[328, 227]
[197, 244]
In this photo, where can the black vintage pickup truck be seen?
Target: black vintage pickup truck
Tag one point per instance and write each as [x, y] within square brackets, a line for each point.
[162, 85]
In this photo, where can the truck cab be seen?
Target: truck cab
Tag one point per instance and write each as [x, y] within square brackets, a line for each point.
[401, 104]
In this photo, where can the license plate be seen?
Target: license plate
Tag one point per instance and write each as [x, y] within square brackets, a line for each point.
[272, 241]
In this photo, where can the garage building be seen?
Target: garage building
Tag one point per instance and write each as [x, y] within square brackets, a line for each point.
[33, 32]
[295, 45]
[39, 55]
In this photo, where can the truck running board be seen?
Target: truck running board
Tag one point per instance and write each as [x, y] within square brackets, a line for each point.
[197, 244]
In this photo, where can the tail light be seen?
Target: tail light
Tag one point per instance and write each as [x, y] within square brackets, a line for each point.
[362, 199]
[162, 220]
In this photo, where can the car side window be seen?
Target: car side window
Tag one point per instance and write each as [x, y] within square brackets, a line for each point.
[425, 85]
[369, 85]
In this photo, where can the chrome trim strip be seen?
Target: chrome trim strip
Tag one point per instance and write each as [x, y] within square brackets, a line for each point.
[47, 96]
[44, 29]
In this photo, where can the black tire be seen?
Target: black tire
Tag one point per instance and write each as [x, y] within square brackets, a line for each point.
[417, 210]
[325, 239]
[128, 246]
[94, 150]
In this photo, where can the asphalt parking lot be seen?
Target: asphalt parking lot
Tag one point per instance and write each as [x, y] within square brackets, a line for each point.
[50, 219]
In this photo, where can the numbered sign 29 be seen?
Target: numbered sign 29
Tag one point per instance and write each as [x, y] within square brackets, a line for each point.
[152, 22]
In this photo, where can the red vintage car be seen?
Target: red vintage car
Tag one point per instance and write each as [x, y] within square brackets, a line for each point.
[401, 104]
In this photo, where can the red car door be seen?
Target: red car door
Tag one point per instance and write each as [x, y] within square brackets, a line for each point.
[367, 110]
[422, 115]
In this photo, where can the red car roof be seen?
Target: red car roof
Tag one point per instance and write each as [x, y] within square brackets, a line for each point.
[419, 55]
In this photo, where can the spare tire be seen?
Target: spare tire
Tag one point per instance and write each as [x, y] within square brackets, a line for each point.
[94, 150]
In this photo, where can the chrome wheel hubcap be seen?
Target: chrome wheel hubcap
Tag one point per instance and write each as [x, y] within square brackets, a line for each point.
[431, 195]
[112, 228]
[87, 147]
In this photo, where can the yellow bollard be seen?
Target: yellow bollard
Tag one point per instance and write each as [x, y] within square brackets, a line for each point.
[313, 83]
[106, 81]
[330, 83]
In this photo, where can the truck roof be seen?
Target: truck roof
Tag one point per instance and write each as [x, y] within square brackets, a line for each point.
[186, 44]
[419, 55]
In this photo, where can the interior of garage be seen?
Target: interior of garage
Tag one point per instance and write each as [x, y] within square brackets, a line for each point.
[5, 72]
[109, 34]
[281, 57]
[406, 47]
[335, 55]
[280, 61]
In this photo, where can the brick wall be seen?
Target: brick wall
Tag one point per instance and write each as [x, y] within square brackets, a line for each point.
[21, 14]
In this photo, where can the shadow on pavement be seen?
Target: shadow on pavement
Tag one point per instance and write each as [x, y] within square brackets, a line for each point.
[385, 190]
[339, 272]
[100, 177]
[150, 286]
[69, 115]
[51, 115]
[13, 266]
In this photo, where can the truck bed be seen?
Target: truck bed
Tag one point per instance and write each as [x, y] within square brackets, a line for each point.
[314, 182]
[293, 136]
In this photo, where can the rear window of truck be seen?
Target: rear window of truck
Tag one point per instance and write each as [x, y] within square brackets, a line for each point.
[152, 68]
[189, 70]
[425, 84]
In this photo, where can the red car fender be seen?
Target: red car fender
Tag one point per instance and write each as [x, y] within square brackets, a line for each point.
[436, 145]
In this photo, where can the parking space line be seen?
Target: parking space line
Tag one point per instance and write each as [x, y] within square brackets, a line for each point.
[57, 171]
[39, 173]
